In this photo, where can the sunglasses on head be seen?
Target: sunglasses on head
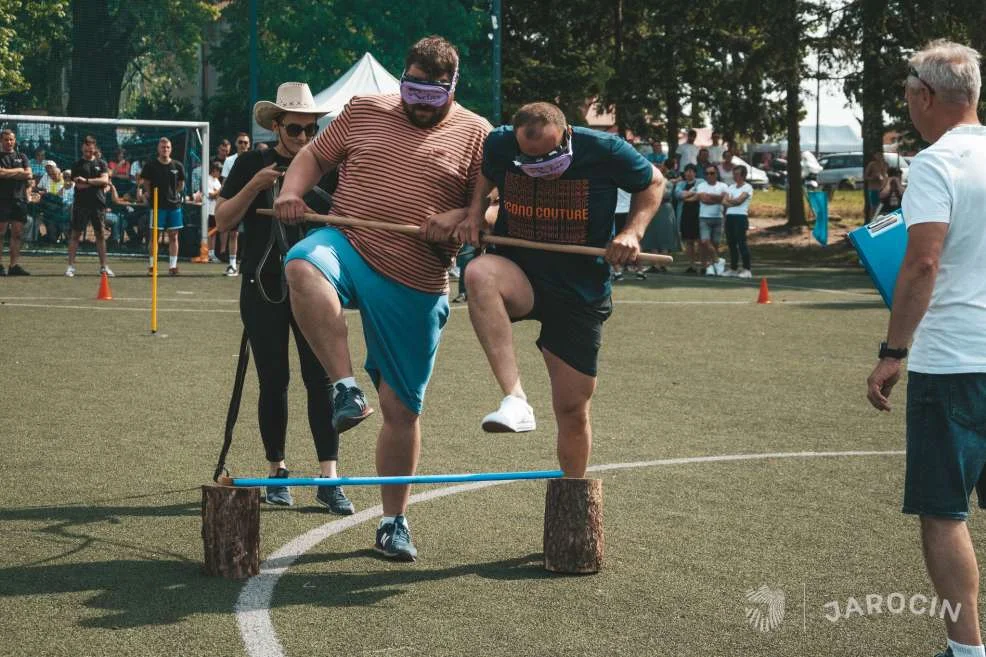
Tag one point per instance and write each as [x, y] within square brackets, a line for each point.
[295, 130]
[914, 74]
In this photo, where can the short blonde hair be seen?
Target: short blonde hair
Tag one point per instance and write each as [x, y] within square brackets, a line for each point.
[951, 69]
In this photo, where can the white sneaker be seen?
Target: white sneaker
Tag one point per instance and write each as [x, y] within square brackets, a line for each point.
[710, 270]
[745, 273]
[106, 270]
[70, 272]
[213, 259]
[730, 273]
[720, 266]
[514, 415]
[231, 271]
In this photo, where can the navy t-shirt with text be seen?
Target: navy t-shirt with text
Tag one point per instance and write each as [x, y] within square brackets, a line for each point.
[577, 208]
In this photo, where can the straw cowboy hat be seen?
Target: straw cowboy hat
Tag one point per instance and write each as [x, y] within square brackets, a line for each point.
[291, 97]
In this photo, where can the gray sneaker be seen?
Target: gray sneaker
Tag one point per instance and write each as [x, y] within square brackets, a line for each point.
[334, 499]
[394, 541]
[279, 495]
[349, 408]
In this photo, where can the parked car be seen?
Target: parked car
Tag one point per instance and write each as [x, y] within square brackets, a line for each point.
[756, 177]
[845, 170]
[810, 168]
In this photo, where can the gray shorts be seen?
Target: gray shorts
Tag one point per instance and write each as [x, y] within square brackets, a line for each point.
[710, 229]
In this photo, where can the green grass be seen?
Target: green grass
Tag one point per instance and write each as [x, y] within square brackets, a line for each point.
[845, 206]
[108, 434]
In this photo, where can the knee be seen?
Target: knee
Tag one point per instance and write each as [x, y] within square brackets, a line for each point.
[572, 414]
[396, 413]
[480, 276]
[299, 273]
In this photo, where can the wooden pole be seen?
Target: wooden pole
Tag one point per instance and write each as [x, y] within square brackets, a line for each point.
[408, 229]
[573, 526]
[231, 531]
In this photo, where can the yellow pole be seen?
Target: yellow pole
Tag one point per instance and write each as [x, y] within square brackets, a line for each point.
[154, 266]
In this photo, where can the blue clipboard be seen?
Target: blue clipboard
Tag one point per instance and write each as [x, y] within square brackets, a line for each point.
[881, 245]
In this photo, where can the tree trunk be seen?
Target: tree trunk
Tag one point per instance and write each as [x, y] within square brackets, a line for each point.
[672, 86]
[573, 526]
[98, 66]
[792, 86]
[619, 96]
[871, 96]
[231, 531]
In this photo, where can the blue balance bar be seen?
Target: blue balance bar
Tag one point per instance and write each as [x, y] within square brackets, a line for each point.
[410, 479]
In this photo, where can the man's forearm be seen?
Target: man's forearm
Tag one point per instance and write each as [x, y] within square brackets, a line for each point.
[15, 174]
[912, 294]
[643, 207]
[481, 196]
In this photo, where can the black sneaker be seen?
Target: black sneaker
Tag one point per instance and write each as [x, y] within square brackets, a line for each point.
[279, 495]
[617, 276]
[691, 270]
[350, 408]
[3, 272]
[335, 500]
[17, 270]
[394, 540]
[947, 653]
[641, 276]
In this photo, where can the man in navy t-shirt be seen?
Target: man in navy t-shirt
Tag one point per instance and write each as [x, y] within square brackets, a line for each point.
[557, 184]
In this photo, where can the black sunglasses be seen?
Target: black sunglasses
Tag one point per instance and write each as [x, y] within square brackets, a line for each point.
[243, 142]
[913, 73]
[294, 130]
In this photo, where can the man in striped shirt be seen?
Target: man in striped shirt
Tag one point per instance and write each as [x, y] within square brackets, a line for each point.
[408, 159]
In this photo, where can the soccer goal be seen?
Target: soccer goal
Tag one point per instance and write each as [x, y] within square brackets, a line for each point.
[53, 143]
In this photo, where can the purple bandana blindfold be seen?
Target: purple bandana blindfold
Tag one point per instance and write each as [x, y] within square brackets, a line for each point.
[416, 91]
[554, 163]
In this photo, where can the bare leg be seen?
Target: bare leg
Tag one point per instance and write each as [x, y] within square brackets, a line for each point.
[318, 311]
[571, 395]
[16, 229]
[73, 245]
[952, 566]
[172, 243]
[328, 469]
[496, 290]
[398, 448]
[101, 247]
[234, 242]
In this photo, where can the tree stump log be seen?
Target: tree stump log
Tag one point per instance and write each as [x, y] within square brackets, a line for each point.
[573, 526]
[231, 531]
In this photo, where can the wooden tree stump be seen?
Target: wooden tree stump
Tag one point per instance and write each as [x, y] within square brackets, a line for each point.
[231, 531]
[573, 526]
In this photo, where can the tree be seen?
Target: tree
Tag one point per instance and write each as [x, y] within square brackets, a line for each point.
[34, 41]
[111, 36]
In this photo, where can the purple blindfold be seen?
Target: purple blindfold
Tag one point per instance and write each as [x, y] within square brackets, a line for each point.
[554, 163]
[416, 91]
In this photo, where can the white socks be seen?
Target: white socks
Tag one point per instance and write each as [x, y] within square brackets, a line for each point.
[962, 650]
[172, 261]
[349, 382]
[232, 261]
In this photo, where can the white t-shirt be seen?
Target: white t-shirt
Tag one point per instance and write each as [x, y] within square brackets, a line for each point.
[715, 153]
[947, 184]
[622, 201]
[710, 210]
[687, 154]
[214, 186]
[735, 192]
[228, 165]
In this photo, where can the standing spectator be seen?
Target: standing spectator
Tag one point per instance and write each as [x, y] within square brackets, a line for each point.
[266, 316]
[15, 173]
[222, 152]
[940, 302]
[702, 159]
[716, 150]
[875, 176]
[135, 169]
[215, 184]
[168, 177]
[688, 207]
[687, 153]
[725, 165]
[38, 164]
[120, 172]
[229, 240]
[91, 175]
[892, 191]
[737, 202]
[710, 193]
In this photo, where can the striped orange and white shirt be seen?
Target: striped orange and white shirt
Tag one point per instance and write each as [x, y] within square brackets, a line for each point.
[393, 171]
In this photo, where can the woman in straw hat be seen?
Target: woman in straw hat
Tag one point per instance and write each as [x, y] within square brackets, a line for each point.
[264, 306]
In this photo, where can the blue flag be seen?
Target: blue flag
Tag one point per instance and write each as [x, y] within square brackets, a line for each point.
[819, 203]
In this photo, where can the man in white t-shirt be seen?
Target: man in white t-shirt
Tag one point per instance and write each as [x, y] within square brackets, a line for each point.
[230, 238]
[688, 152]
[716, 149]
[940, 302]
[710, 191]
[737, 202]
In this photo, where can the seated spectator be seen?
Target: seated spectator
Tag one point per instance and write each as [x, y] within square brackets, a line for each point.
[56, 210]
[120, 172]
[51, 182]
[38, 164]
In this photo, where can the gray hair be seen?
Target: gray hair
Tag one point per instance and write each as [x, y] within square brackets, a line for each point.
[949, 68]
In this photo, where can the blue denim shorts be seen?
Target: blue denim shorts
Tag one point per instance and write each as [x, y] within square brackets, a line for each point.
[946, 443]
[402, 326]
[169, 219]
[710, 229]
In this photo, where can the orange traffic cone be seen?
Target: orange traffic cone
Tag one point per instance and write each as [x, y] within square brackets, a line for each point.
[104, 289]
[764, 296]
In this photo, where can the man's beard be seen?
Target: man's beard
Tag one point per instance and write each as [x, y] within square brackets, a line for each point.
[435, 115]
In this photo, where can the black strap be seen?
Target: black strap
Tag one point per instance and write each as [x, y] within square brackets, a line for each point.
[234, 405]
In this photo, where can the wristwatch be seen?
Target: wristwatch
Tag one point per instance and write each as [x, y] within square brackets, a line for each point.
[887, 352]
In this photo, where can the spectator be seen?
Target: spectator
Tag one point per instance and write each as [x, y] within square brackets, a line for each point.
[222, 151]
[688, 207]
[725, 165]
[687, 153]
[167, 176]
[716, 150]
[120, 172]
[702, 159]
[52, 181]
[737, 202]
[56, 210]
[892, 191]
[710, 194]
[229, 240]
[38, 164]
[91, 174]
[15, 176]
[875, 176]
[135, 168]
[215, 185]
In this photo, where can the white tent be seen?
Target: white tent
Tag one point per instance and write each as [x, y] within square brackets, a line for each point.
[831, 139]
[367, 76]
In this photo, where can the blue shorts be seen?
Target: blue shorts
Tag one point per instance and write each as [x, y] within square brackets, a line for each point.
[710, 229]
[946, 443]
[402, 326]
[169, 219]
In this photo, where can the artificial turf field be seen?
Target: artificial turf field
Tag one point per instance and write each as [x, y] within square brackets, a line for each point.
[107, 435]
